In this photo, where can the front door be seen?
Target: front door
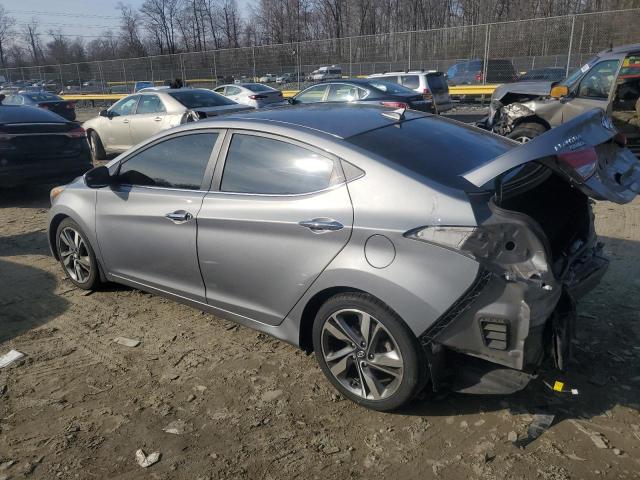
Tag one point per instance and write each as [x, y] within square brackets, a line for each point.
[118, 124]
[280, 213]
[146, 224]
[593, 91]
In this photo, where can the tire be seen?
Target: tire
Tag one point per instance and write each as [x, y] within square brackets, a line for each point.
[392, 346]
[526, 131]
[76, 256]
[97, 149]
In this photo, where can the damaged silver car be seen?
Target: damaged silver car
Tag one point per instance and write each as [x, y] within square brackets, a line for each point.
[399, 246]
[610, 81]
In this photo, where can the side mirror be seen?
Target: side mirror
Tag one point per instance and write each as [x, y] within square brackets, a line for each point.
[291, 100]
[98, 177]
[559, 91]
[104, 113]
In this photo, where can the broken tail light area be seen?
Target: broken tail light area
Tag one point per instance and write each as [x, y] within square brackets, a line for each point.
[583, 162]
[510, 250]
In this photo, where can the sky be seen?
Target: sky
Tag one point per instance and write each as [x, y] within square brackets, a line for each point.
[87, 18]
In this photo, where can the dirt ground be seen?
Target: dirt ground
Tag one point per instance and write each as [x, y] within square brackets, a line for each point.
[78, 406]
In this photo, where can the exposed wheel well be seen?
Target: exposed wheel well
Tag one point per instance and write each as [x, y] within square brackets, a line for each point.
[55, 221]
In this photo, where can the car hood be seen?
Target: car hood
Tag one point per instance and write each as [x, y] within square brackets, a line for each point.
[528, 88]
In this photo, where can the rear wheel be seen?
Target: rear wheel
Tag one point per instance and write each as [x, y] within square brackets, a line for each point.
[526, 131]
[97, 149]
[367, 352]
[76, 255]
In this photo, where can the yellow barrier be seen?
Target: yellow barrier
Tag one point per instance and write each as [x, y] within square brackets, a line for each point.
[468, 90]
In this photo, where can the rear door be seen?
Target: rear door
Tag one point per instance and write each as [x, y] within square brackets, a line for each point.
[150, 118]
[146, 223]
[584, 151]
[279, 213]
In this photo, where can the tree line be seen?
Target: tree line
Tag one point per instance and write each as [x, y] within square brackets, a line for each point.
[175, 26]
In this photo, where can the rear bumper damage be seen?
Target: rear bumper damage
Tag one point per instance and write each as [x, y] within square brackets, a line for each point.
[496, 337]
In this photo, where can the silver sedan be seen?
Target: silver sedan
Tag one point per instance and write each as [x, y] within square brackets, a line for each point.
[399, 246]
[138, 117]
[253, 94]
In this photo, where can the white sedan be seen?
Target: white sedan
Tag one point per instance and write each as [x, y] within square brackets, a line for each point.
[255, 95]
[141, 115]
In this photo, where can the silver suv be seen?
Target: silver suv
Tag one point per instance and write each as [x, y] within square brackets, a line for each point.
[430, 83]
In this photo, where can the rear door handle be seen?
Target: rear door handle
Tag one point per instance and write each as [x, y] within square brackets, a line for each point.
[179, 216]
[125, 121]
[319, 225]
[157, 119]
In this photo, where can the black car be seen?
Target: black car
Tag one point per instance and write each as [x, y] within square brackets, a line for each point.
[366, 91]
[546, 74]
[472, 72]
[38, 146]
[46, 100]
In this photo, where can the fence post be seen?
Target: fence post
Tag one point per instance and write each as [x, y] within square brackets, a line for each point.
[253, 54]
[409, 66]
[573, 24]
[151, 66]
[487, 38]
[182, 72]
[350, 60]
[61, 79]
[124, 73]
[79, 79]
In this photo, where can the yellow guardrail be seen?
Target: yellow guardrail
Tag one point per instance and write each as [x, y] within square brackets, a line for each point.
[467, 90]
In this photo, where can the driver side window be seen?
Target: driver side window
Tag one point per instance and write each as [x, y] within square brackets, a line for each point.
[126, 106]
[312, 94]
[598, 82]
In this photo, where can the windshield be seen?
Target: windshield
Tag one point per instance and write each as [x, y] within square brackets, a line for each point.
[200, 98]
[575, 77]
[390, 87]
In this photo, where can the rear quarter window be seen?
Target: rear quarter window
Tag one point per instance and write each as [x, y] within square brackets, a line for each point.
[200, 99]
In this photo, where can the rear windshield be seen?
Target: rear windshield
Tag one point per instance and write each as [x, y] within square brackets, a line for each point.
[256, 87]
[43, 97]
[434, 148]
[200, 99]
[390, 87]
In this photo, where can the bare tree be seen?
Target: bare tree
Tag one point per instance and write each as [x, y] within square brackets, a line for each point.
[6, 32]
[132, 45]
[31, 37]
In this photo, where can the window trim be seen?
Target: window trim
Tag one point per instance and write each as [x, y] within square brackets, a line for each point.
[222, 161]
[208, 171]
[164, 109]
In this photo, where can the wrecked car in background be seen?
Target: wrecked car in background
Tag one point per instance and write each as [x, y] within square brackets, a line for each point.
[610, 81]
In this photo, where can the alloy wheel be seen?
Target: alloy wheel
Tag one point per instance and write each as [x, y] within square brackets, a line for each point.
[75, 255]
[522, 139]
[362, 354]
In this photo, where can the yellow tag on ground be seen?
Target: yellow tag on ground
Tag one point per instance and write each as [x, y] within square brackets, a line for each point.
[558, 386]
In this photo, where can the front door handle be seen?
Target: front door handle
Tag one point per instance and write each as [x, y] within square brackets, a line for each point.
[179, 216]
[157, 119]
[322, 225]
[125, 121]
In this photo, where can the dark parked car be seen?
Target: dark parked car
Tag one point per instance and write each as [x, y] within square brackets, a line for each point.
[46, 100]
[366, 91]
[472, 72]
[39, 146]
[550, 74]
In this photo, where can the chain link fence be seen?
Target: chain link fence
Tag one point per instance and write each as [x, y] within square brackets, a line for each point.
[562, 42]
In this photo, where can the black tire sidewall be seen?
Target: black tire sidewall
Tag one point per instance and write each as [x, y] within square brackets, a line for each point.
[97, 149]
[529, 130]
[415, 367]
[94, 277]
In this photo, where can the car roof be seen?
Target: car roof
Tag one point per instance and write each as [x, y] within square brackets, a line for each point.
[404, 72]
[338, 120]
[633, 47]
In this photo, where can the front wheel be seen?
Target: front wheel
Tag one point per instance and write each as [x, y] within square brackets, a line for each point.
[97, 149]
[526, 132]
[367, 352]
[76, 255]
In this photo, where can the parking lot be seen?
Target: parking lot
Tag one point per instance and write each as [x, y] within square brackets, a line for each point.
[239, 404]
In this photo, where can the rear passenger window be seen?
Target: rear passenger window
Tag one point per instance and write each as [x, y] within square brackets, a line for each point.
[150, 104]
[179, 162]
[268, 166]
[411, 81]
